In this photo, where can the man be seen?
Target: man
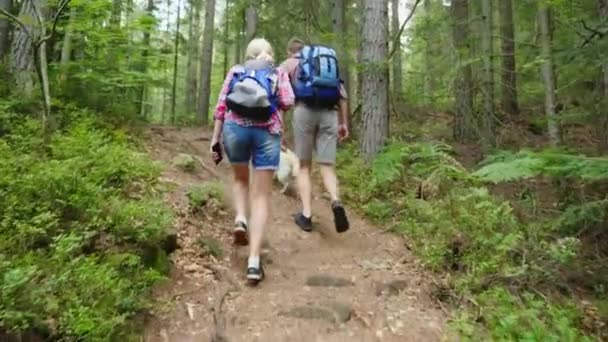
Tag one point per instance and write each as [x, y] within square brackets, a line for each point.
[317, 129]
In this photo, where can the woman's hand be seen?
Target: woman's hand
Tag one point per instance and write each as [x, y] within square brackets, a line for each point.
[215, 153]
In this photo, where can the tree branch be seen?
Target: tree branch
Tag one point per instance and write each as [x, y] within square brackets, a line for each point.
[594, 33]
[62, 5]
[397, 38]
[17, 21]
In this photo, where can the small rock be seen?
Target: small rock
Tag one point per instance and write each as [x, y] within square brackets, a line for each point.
[392, 288]
[193, 268]
[343, 311]
[328, 281]
[310, 312]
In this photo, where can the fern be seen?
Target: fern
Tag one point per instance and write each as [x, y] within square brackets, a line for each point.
[508, 166]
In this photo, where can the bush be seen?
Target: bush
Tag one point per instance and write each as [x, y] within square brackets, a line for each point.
[77, 223]
[513, 271]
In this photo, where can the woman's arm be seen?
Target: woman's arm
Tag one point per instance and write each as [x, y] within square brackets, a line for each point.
[285, 92]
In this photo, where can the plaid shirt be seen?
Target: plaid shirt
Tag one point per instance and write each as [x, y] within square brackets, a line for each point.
[275, 123]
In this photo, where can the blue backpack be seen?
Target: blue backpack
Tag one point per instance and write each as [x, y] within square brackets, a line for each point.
[317, 82]
[252, 93]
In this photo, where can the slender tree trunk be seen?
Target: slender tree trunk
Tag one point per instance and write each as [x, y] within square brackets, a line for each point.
[374, 89]
[238, 47]
[4, 28]
[251, 20]
[192, 66]
[41, 65]
[175, 64]
[66, 47]
[464, 121]
[116, 13]
[22, 58]
[509, 77]
[144, 107]
[206, 63]
[603, 126]
[397, 61]
[429, 86]
[339, 28]
[548, 72]
[487, 46]
[226, 38]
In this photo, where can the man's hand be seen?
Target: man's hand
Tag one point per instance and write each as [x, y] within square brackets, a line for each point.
[343, 132]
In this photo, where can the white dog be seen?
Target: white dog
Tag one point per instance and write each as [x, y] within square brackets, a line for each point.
[289, 166]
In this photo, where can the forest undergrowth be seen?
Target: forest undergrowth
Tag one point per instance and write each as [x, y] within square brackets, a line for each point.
[511, 269]
[82, 232]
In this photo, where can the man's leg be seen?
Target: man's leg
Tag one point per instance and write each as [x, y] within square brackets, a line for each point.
[305, 187]
[330, 181]
[304, 127]
[326, 146]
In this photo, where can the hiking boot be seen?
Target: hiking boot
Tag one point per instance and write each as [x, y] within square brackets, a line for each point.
[240, 234]
[255, 275]
[340, 219]
[305, 223]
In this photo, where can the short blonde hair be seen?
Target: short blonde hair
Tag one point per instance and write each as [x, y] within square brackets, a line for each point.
[261, 49]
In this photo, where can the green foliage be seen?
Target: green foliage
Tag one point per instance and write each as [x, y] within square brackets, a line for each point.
[526, 317]
[207, 194]
[494, 258]
[508, 166]
[78, 218]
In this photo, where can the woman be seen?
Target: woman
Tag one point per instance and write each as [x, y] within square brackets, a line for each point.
[249, 137]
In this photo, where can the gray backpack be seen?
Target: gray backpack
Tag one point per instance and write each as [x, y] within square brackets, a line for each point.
[253, 92]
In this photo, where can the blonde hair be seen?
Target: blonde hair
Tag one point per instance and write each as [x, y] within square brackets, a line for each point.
[260, 49]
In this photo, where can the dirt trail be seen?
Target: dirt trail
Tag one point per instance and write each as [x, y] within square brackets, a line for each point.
[363, 285]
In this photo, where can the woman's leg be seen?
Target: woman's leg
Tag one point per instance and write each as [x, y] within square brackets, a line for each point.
[260, 198]
[240, 190]
[265, 160]
[237, 142]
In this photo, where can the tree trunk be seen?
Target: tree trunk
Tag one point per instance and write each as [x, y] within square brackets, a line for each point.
[226, 38]
[548, 72]
[4, 28]
[41, 65]
[22, 58]
[397, 61]
[464, 124]
[116, 13]
[238, 47]
[429, 85]
[66, 47]
[251, 18]
[144, 107]
[339, 28]
[206, 63]
[374, 88]
[487, 46]
[509, 78]
[192, 64]
[603, 126]
[175, 63]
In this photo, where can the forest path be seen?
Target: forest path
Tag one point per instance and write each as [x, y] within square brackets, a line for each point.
[363, 285]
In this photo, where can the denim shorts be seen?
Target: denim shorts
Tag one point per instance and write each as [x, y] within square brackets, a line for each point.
[243, 144]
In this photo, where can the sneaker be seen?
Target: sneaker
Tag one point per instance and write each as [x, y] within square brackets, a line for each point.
[255, 275]
[340, 219]
[305, 223]
[240, 234]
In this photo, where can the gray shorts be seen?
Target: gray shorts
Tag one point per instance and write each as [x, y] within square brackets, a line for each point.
[315, 129]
